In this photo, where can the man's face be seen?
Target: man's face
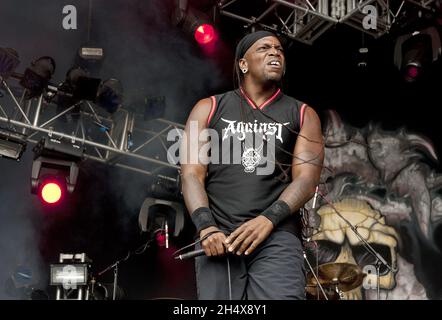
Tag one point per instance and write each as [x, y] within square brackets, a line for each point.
[265, 60]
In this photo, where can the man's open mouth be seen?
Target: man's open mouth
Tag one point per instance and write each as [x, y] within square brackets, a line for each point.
[275, 64]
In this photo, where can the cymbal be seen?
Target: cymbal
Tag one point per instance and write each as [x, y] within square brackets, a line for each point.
[344, 276]
[315, 293]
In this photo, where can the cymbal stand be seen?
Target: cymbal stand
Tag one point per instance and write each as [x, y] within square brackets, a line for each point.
[314, 275]
[379, 259]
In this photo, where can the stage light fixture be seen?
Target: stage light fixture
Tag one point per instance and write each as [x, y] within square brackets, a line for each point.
[161, 238]
[110, 95]
[22, 277]
[362, 57]
[36, 77]
[74, 74]
[91, 53]
[55, 166]
[148, 107]
[67, 92]
[204, 34]
[161, 218]
[194, 22]
[22, 285]
[415, 52]
[416, 56]
[12, 144]
[107, 94]
[104, 291]
[51, 191]
[71, 276]
[90, 57]
[154, 107]
[9, 61]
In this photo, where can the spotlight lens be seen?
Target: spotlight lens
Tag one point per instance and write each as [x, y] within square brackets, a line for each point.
[205, 34]
[413, 72]
[51, 192]
[161, 239]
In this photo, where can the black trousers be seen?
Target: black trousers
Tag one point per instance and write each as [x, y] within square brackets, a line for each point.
[274, 271]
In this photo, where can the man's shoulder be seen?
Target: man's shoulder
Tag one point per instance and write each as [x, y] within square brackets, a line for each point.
[292, 100]
[230, 93]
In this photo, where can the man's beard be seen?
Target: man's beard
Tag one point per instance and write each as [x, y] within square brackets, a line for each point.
[272, 77]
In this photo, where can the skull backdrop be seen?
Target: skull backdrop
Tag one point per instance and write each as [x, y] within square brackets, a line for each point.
[383, 184]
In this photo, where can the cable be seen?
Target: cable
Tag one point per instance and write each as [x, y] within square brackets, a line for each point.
[293, 156]
[229, 277]
[89, 21]
[137, 251]
[316, 278]
[244, 119]
[306, 237]
[144, 247]
[317, 259]
[303, 161]
[297, 157]
[288, 128]
[196, 242]
[364, 242]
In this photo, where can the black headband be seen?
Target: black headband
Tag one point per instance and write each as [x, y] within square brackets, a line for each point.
[249, 40]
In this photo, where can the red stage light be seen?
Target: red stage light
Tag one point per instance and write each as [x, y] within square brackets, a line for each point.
[161, 239]
[412, 73]
[205, 34]
[51, 192]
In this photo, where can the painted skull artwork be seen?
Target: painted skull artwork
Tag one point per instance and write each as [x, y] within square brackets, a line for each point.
[381, 183]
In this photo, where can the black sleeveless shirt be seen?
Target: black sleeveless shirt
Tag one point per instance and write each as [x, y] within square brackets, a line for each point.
[253, 164]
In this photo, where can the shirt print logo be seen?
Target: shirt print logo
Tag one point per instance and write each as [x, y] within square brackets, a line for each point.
[251, 157]
[264, 128]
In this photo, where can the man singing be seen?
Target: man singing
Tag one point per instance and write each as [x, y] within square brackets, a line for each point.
[247, 214]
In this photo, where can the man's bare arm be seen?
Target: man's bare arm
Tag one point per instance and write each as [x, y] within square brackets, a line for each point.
[194, 175]
[307, 163]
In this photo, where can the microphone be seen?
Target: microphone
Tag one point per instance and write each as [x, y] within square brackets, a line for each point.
[167, 235]
[315, 197]
[191, 254]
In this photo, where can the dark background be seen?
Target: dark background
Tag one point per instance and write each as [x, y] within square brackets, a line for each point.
[148, 54]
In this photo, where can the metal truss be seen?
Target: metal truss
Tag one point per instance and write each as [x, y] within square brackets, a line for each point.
[123, 139]
[307, 20]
